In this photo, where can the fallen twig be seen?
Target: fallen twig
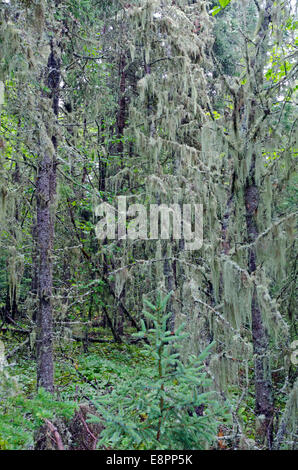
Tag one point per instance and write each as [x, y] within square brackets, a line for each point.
[56, 434]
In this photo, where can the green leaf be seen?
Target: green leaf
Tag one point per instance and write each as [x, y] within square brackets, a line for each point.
[215, 10]
[150, 304]
[224, 3]
[164, 302]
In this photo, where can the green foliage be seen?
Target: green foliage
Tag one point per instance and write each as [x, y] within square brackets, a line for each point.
[146, 110]
[222, 4]
[20, 415]
[159, 410]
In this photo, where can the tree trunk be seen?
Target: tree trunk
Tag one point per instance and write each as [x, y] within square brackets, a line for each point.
[122, 105]
[263, 386]
[45, 232]
[45, 194]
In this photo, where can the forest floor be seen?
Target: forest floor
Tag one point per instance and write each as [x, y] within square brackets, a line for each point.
[82, 374]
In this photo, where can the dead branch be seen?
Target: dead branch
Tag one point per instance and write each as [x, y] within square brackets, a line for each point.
[56, 434]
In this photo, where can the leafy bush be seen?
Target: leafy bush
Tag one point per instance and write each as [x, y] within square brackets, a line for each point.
[20, 416]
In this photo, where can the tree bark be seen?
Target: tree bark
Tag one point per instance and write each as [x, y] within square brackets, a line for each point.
[121, 104]
[263, 385]
[45, 194]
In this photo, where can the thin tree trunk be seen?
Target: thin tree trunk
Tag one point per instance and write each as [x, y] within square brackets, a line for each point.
[45, 194]
[122, 105]
[45, 232]
[263, 385]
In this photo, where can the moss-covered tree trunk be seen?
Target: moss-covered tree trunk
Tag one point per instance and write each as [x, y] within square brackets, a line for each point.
[263, 385]
[252, 193]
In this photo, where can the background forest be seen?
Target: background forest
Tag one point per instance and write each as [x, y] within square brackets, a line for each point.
[132, 343]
